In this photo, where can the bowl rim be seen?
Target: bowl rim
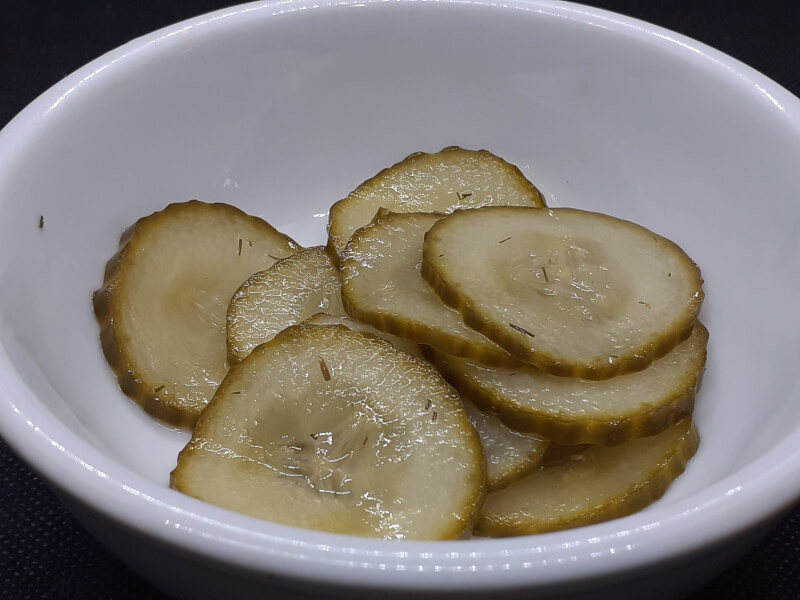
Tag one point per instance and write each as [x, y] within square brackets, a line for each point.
[751, 496]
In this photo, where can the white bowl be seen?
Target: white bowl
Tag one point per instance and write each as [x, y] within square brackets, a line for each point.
[281, 108]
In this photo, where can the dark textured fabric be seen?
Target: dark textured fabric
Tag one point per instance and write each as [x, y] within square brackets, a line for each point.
[44, 553]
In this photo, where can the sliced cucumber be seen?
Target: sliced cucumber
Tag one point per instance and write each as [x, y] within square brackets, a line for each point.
[442, 182]
[381, 286]
[571, 292]
[592, 484]
[328, 428]
[509, 454]
[569, 410]
[288, 292]
[402, 344]
[162, 305]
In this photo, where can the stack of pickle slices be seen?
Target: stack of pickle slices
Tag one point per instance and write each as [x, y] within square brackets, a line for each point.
[458, 359]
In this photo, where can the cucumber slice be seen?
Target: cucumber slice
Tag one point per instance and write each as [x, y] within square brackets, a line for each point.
[509, 454]
[288, 292]
[402, 344]
[328, 428]
[162, 306]
[570, 410]
[442, 182]
[595, 484]
[571, 292]
[381, 286]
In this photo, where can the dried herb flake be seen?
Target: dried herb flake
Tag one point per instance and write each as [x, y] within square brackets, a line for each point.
[326, 374]
[521, 329]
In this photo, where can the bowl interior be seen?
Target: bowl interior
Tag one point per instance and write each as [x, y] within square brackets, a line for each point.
[282, 111]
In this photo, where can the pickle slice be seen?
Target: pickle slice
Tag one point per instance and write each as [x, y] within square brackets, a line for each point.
[381, 286]
[332, 429]
[442, 182]
[402, 344]
[594, 484]
[509, 454]
[570, 410]
[162, 306]
[288, 292]
[571, 292]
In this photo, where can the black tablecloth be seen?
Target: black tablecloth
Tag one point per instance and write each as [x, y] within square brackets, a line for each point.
[44, 553]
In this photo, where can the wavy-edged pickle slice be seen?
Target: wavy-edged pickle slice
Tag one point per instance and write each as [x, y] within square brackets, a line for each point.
[569, 410]
[288, 292]
[572, 292]
[163, 302]
[381, 286]
[594, 484]
[403, 344]
[332, 429]
[509, 454]
[442, 182]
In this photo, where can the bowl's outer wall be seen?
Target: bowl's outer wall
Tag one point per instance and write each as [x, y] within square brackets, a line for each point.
[191, 579]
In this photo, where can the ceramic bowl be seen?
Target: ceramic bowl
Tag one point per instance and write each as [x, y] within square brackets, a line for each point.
[281, 108]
